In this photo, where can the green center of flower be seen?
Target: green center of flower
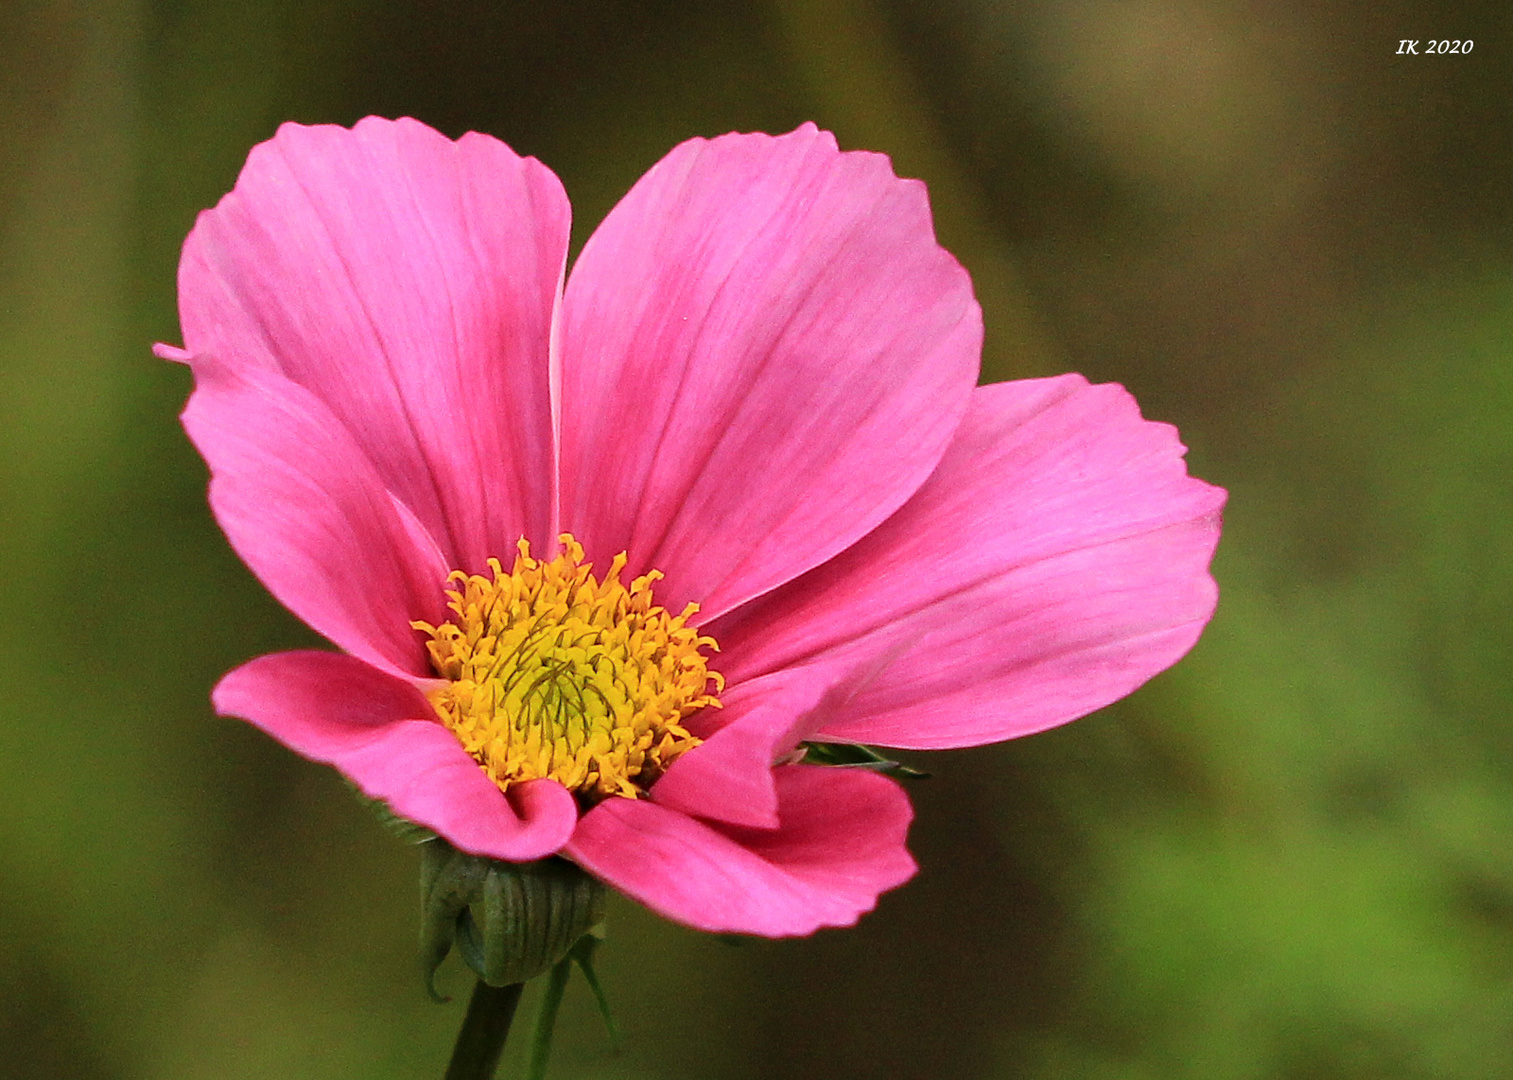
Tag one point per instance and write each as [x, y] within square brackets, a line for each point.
[555, 674]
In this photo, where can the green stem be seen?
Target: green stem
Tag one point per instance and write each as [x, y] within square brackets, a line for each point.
[541, 1045]
[481, 1040]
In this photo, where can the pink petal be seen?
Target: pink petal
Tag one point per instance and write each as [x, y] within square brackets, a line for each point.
[840, 844]
[765, 353]
[409, 283]
[306, 510]
[1057, 559]
[729, 777]
[379, 732]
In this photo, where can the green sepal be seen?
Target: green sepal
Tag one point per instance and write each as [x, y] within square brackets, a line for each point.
[856, 756]
[583, 956]
[509, 921]
[546, 1020]
[403, 828]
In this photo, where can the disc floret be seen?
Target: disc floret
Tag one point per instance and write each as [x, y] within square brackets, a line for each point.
[554, 674]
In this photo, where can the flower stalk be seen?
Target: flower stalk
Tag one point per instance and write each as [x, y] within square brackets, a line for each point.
[546, 1019]
[491, 1009]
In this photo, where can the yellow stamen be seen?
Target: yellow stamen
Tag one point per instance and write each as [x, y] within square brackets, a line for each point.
[554, 674]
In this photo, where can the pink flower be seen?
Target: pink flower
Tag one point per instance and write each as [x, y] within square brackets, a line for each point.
[758, 382]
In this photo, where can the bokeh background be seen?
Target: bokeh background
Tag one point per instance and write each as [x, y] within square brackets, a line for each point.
[1290, 857]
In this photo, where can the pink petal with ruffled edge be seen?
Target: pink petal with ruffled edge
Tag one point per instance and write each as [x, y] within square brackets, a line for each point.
[729, 776]
[409, 282]
[1057, 559]
[840, 844]
[305, 509]
[764, 353]
[339, 710]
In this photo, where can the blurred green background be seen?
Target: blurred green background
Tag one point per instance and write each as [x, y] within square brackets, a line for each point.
[1288, 857]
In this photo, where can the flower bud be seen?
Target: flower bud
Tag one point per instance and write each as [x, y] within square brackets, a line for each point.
[510, 921]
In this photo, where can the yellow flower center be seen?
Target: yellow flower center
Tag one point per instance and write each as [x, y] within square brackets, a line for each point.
[554, 674]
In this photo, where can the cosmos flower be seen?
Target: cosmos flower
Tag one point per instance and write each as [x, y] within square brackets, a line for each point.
[601, 552]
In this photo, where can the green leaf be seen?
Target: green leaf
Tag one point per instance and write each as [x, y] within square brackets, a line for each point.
[856, 756]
